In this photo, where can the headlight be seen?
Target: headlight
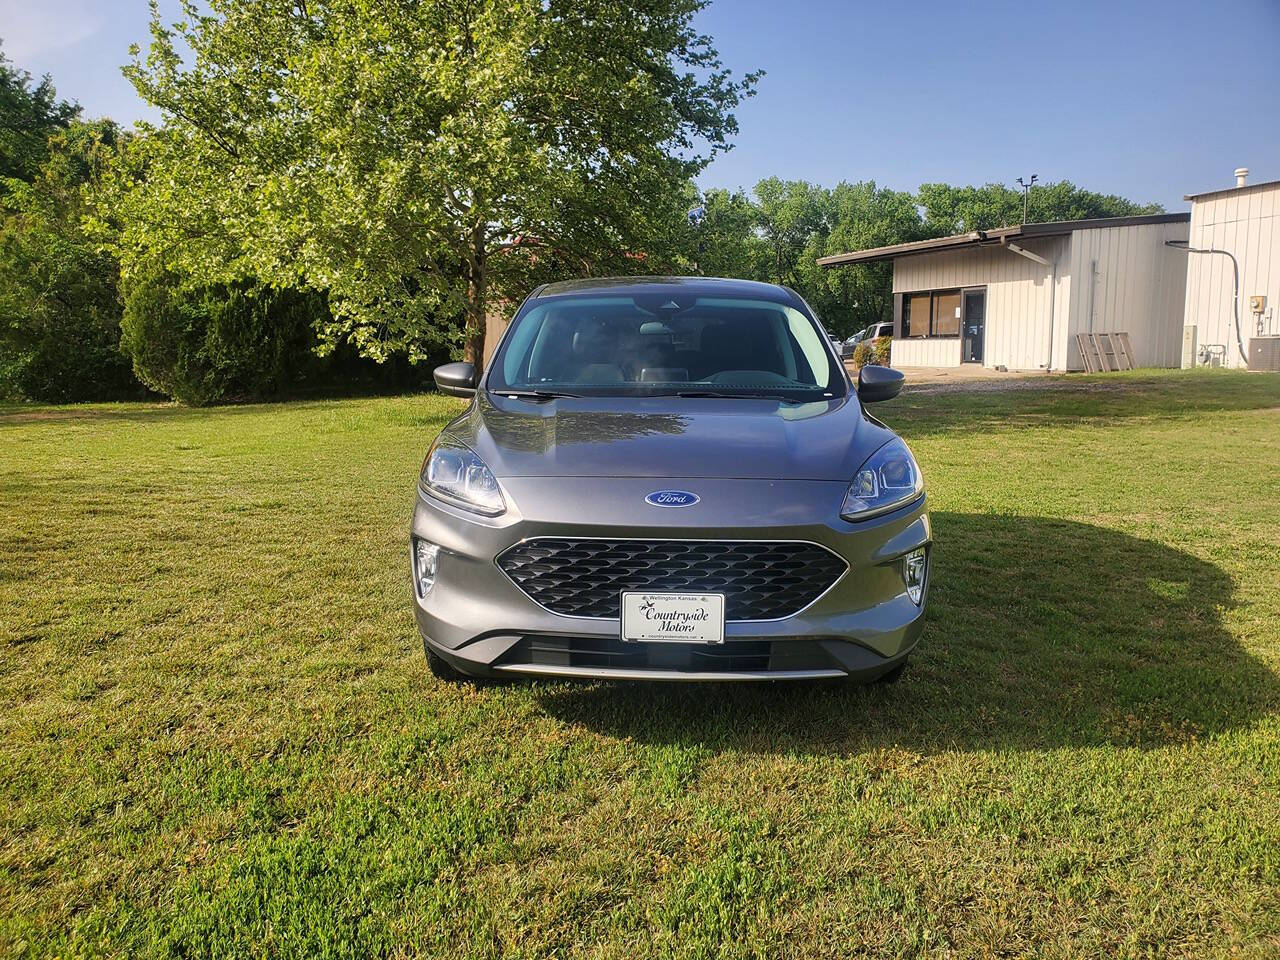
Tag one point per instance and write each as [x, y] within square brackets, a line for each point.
[452, 472]
[888, 480]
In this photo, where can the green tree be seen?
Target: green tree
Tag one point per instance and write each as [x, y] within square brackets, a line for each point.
[778, 234]
[949, 209]
[861, 216]
[789, 214]
[29, 115]
[59, 299]
[724, 241]
[420, 161]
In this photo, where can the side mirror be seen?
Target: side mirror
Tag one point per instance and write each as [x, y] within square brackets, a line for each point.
[456, 379]
[879, 383]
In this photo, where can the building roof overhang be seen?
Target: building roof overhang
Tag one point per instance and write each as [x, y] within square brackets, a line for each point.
[1245, 189]
[1000, 235]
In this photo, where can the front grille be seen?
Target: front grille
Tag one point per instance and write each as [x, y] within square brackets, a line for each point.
[760, 580]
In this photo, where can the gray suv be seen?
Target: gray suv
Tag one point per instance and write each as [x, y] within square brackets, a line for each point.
[669, 479]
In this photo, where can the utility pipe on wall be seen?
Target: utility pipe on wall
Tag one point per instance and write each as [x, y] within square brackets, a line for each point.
[1235, 278]
[1053, 318]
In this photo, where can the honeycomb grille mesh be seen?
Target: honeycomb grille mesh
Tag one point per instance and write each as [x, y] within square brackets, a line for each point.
[584, 578]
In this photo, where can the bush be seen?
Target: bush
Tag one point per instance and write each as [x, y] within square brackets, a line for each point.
[65, 356]
[882, 351]
[862, 354]
[202, 344]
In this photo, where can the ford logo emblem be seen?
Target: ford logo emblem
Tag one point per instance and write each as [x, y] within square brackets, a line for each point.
[672, 498]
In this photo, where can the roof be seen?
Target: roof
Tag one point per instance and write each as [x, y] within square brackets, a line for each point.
[704, 286]
[975, 238]
[1245, 189]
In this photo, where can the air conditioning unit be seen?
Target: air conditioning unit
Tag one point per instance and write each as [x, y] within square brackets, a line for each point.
[1264, 354]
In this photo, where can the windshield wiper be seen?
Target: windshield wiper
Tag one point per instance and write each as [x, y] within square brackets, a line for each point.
[538, 395]
[735, 396]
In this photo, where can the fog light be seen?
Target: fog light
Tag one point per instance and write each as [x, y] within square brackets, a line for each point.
[913, 570]
[426, 563]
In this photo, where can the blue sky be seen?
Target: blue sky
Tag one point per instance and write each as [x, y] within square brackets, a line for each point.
[1150, 100]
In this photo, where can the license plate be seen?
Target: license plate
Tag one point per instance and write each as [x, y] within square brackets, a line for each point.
[673, 617]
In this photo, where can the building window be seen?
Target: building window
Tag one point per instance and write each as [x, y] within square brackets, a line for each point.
[932, 314]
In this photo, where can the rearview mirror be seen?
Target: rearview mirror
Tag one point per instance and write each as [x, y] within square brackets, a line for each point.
[456, 379]
[879, 383]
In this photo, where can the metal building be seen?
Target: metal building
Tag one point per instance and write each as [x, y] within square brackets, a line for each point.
[1233, 277]
[1015, 297]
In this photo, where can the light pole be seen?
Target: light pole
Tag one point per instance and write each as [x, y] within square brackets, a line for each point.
[1026, 194]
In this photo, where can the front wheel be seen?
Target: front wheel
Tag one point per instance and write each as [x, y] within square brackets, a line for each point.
[442, 669]
[893, 676]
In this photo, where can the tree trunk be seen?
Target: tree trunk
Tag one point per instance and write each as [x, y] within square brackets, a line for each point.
[474, 344]
[477, 301]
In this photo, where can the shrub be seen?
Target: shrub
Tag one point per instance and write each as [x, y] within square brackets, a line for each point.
[204, 344]
[862, 354]
[882, 351]
[65, 356]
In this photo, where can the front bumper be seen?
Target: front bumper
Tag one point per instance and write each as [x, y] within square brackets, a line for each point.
[479, 621]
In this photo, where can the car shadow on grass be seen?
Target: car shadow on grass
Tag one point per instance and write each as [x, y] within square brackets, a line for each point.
[1041, 633]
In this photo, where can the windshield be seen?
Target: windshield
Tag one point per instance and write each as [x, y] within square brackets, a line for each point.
[659, 344]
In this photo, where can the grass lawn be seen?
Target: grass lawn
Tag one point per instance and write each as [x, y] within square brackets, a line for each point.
[218, 736]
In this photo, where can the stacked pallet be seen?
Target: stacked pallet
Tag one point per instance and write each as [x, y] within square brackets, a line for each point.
[1105, 352]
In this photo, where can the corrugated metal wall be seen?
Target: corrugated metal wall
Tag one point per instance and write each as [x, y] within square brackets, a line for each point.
[1247, 223]
[1019, 297]
[1126, 279]
[1103, 280]
[939, 352]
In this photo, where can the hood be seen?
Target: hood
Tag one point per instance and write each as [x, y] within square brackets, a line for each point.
[669, 437]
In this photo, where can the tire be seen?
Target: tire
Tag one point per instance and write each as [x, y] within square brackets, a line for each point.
[442, 669]
[892, 677]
